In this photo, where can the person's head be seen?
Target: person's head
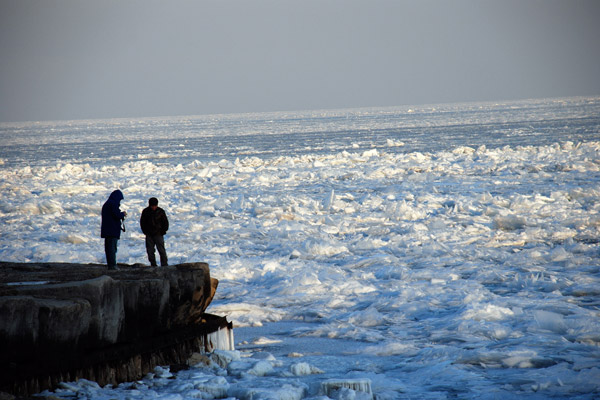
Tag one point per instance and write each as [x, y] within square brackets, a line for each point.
[116, 195]
[153, 203]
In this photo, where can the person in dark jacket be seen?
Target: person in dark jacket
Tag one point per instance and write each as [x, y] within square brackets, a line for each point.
[110, 229]
[154, 224]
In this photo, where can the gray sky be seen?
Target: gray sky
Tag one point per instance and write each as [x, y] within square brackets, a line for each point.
[77, 59]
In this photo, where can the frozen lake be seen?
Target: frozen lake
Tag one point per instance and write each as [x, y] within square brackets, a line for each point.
[439, 252]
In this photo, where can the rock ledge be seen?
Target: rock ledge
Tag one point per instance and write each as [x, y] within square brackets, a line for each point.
[62, 322]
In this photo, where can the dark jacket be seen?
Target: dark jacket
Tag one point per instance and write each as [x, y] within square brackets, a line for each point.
[154, 222]
[112, 216]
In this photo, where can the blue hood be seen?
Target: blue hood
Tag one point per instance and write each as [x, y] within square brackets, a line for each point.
[117, 196]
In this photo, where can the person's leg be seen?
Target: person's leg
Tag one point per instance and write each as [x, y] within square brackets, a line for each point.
[115, 247]
[159, 240]
[110, 248]
[150, 250]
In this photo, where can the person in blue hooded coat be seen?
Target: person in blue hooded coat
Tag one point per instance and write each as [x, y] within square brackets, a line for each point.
[110, 229]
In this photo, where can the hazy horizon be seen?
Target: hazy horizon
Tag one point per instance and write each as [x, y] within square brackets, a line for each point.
[300, 111]
[67, 60]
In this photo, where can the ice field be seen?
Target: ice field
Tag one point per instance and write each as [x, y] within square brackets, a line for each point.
[431, 252]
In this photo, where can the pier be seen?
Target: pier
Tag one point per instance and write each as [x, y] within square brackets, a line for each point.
[62, 322]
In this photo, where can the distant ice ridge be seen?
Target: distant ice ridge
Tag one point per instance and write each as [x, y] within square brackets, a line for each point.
[349, 202]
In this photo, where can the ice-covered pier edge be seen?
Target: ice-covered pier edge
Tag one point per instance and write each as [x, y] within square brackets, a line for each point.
[62, 322]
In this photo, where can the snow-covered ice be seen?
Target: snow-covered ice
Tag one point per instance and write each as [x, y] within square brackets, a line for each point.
[435, 252]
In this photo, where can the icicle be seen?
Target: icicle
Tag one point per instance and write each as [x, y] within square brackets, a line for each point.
[328, 201]
[222, 339]
[358, 385]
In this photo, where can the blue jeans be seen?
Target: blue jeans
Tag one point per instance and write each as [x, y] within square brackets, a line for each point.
[110, 248]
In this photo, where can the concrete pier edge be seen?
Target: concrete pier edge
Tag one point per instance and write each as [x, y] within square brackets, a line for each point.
[61, 322]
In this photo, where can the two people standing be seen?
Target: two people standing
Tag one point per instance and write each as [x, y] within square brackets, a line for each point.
[154, 224]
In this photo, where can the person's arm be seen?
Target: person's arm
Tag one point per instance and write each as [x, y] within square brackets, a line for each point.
[144, 221]
[166, 222]
[116, 212]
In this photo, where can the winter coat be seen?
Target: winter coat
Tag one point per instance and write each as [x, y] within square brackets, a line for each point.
[112, 216]
[154, 222]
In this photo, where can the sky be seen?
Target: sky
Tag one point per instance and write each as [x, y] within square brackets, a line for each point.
[80, 59]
